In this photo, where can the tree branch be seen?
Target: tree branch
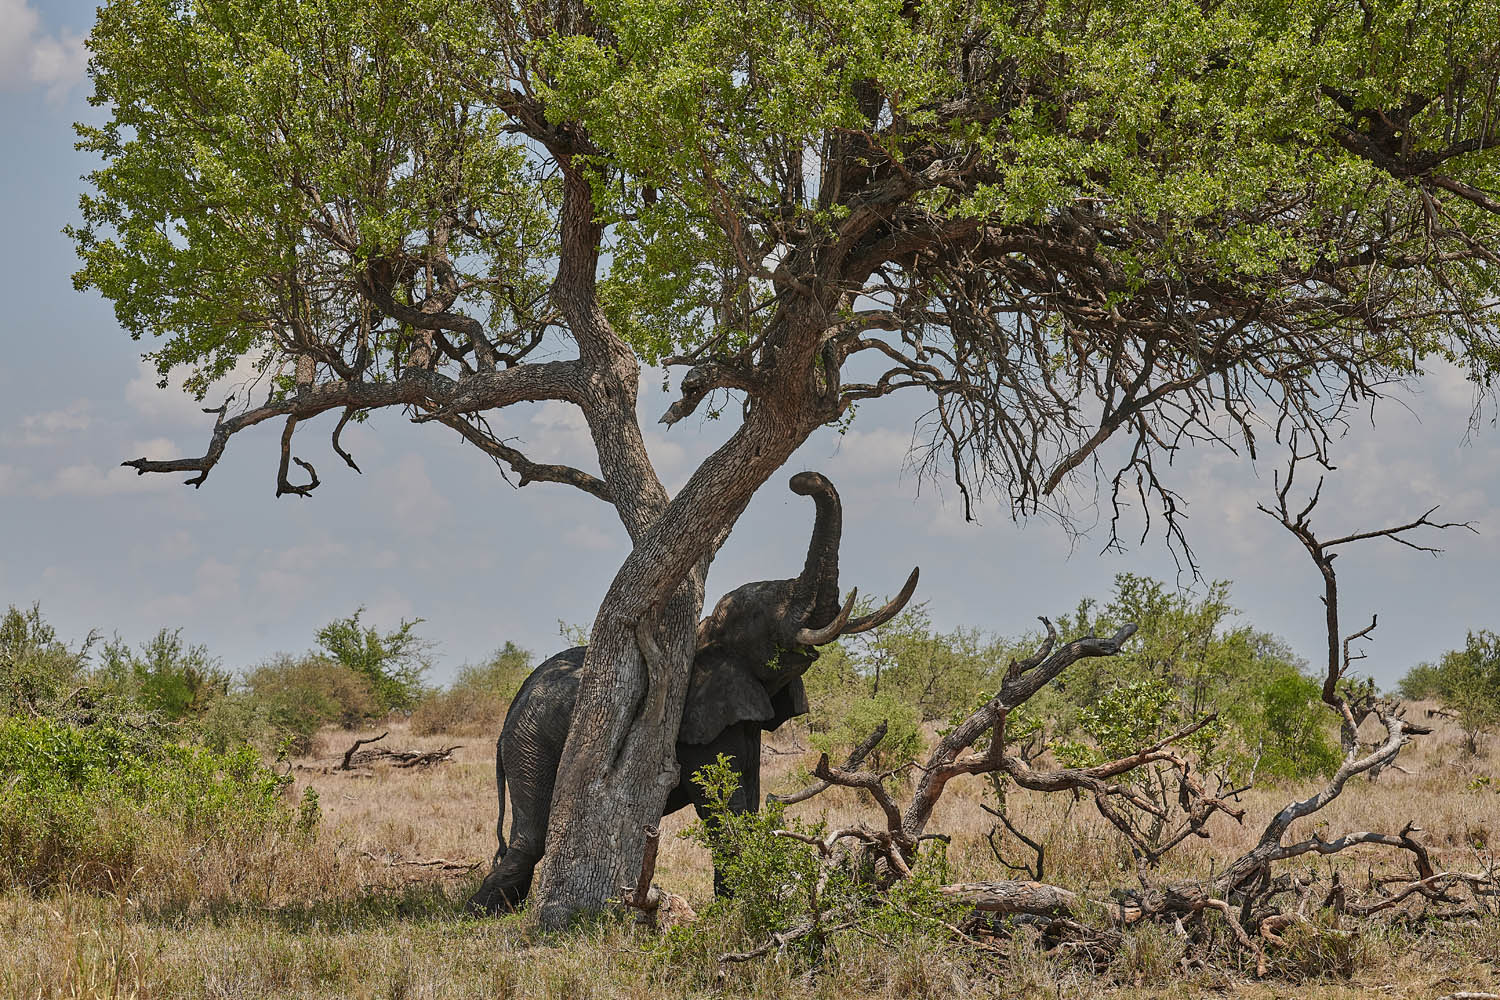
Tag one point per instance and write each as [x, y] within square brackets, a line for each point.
[555, 380]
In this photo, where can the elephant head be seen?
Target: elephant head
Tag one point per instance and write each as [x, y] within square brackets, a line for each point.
[762, 637]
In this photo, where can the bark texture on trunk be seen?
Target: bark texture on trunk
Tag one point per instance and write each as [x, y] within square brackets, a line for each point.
[619, 762]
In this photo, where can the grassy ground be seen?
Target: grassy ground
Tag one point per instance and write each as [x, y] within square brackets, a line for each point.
[370, 907]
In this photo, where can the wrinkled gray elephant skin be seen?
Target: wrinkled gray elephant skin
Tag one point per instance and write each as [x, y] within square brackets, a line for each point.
[752, 651]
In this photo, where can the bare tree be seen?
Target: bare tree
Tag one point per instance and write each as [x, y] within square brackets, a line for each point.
[1255, 902]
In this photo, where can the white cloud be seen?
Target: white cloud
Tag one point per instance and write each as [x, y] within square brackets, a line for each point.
[879, 457]
[30, 57]
[560, 434]
[216, 586]
[414, 500]
[389, 608]
[1450, 386]
[176, 407]
[12, 480]
[46, 428]
[175, 545]
[88, 479]
[91, 479]
[670, 460]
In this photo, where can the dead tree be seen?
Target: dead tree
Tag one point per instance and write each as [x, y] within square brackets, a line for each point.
[1255, 903]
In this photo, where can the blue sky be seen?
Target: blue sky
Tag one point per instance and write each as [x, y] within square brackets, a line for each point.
[431, 529]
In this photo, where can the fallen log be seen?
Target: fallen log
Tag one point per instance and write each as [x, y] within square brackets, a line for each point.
[1014, 896]
[354, 756]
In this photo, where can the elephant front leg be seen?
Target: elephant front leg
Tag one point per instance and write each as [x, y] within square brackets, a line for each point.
[741, 744]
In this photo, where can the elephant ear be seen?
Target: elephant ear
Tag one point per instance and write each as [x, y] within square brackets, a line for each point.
[720, 694]
[788, 703]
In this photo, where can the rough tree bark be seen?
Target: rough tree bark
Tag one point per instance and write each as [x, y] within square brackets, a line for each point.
[619, 763]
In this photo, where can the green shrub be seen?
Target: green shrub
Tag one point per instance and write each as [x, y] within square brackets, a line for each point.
[938, 672]
[1291, 728]
[859, 718]
[84, 805]
[1467, 682]
[777, 882]
[165, 676]
[392, 664]
[35, 669]
[297, 696]
[1422, 681]
[771, 880]
[1130, 717]
[476, 702]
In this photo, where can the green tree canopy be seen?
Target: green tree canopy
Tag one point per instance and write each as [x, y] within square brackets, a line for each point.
[1466, 681]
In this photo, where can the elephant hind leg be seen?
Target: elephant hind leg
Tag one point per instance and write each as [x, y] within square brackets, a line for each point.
[504, 889]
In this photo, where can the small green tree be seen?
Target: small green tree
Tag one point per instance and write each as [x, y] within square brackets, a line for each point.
[392, 663]
[164, 675]
[298, 695]
[1270, 720]
[1120, 723]
[1467, 682]
[1286, 728]
[34, 666]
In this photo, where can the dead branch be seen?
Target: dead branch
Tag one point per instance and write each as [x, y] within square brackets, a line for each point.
[1013, 897]
[1323, 555]
[349, 754]
[660, 910]
[432, 864]
[778, 942]
[855, 759]
[1037, 848]
[1255, 863]
[354, 756]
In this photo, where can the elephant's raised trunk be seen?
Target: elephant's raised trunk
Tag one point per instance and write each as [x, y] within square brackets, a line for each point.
[815, 599]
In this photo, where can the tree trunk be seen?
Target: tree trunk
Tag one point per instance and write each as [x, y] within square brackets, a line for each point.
[619, 763]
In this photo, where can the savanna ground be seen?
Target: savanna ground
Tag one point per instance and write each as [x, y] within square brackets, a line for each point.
[369, 904]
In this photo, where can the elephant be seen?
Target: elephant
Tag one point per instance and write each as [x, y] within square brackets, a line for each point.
[750, 655]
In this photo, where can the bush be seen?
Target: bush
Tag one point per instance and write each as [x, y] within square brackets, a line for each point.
[1291, 727]
[165, 676]
[1422, 681]
[298, 696]
[35, 669]
[860, 717]
[775, 883]
[939, 672]
[476, 702]
[769, 879]
[392, 664]
[1467, 682]
[85, 805]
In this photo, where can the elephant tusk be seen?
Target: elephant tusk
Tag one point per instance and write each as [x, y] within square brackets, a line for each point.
[831, 631]
[866, 622]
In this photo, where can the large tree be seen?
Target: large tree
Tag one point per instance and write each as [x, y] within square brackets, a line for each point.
[1063, 222]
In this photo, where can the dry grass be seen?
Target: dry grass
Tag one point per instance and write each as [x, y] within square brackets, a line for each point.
[349, 915]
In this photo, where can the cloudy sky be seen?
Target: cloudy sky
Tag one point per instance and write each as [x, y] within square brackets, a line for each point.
[431, 529]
